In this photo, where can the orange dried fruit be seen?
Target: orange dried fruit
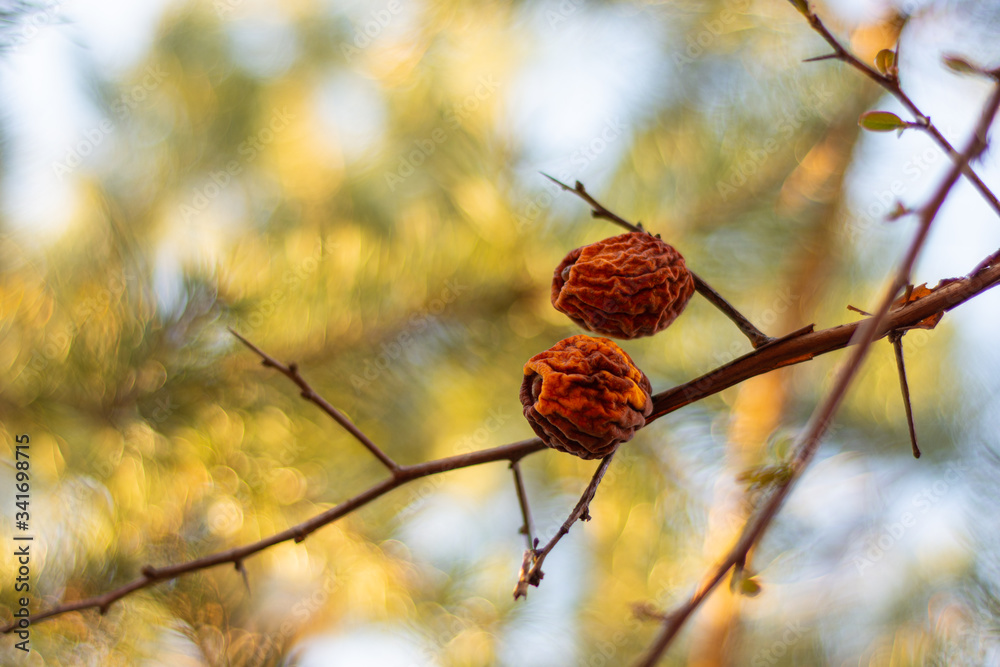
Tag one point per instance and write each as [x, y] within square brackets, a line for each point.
[585, 396]
[625, 286]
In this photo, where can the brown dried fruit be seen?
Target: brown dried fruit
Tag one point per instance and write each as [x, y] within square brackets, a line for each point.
[626, 286]
[584, 396]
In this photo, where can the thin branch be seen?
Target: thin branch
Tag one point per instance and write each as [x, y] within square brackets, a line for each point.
[291, 371]
[891, 84]
[756, 336]
[788, 351]
[522, 500]
[533, 575]
[597, 209]
[896, 338]
[808, 443]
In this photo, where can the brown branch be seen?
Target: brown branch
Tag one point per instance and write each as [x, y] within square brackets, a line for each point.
[522, 500]
[291, 371]
[531, 565]
[790, 350]
[896, 338]
[890, 82]
[864, 335]
[756, 336]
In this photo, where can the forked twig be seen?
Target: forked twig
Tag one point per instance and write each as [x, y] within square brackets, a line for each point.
[531, 565]
[890, 82]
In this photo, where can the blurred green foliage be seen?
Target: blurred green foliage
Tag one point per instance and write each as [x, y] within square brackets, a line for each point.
[366, 205]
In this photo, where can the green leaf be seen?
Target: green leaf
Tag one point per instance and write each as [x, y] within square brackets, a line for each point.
[961, 65]
[881, 121]
[750, 587]
[885, 62]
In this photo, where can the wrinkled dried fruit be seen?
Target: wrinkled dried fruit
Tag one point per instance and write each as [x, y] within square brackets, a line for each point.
[584, 396]
[626, 286]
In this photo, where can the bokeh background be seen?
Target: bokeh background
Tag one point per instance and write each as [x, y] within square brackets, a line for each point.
[355, 186]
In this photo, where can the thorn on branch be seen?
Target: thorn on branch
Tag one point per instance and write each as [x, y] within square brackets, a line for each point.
[829, 56]
[896, 338]
[243, 571]
[858, 310]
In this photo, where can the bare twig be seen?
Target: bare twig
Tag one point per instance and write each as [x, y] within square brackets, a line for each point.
[896, 338]
[597, 209]
[783, 352]
[533, 575]
[808, 443]
[891, 84]
[522, 500]
[291, 371]
[756, 336]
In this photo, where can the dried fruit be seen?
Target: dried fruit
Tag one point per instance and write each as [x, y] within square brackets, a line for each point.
[584, 396]
[626, 286]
